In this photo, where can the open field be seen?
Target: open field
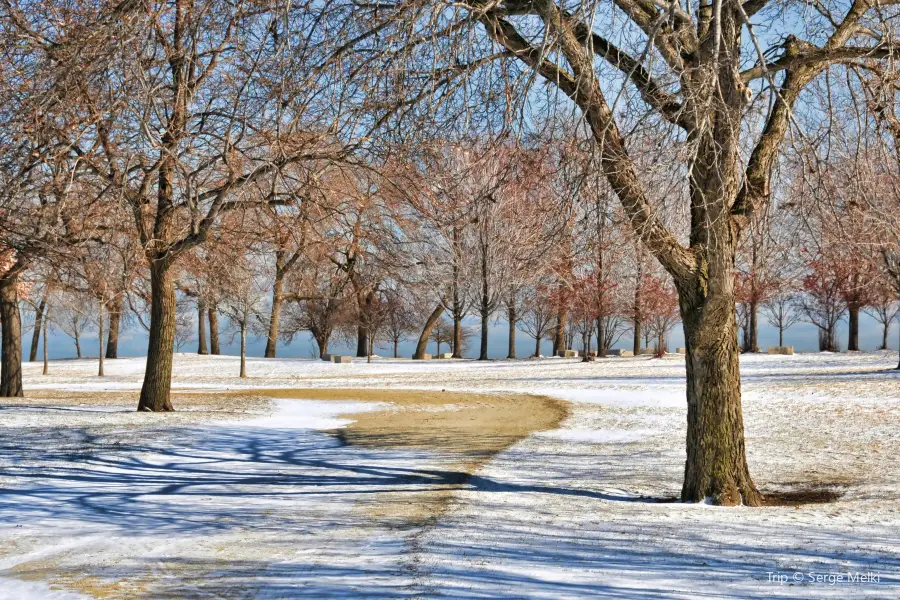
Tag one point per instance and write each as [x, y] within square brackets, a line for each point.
[443, 479]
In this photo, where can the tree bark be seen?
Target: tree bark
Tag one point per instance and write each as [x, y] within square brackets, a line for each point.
[781, 336]
[396, 344]
[114, 310]
[46, 352]
[559, 335]
[601, 338]
[244, 348]
[277, 298]
[512, 318]
[362, 341]
[483, 351]
[213, 330]
[753, 307]
[636, 343]
[322, 337]
[422, 345]
[716, 466]
[10, 339]
[36, 334]
[537, 346]
[201, 326]
[884, 335]
[100, 341]
[853, 339]
[155, 392]
[77, 344]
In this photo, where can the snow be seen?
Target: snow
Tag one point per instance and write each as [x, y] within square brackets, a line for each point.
[99, 501]
[312, 414]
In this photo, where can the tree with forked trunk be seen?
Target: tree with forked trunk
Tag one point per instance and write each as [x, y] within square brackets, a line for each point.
[693, 72]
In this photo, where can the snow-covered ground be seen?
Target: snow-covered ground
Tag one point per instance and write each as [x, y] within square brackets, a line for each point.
[231, 498]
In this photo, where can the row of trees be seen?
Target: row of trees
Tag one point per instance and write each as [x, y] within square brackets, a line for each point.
[313, 167]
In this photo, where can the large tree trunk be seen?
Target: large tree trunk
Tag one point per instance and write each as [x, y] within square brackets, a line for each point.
[457, 336]
[422, 345]
[512, 318]
[853, 338]
[537, 346]
[11, 342]
[559, 335]
[36, 334]
[214, 330]
[160, 347]
[201, 326]
[396, 347]
[716, 465]
[114, 309]
[601, 338]
[362, 341]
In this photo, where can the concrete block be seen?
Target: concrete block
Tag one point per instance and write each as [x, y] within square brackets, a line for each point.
[337, 358]
[327, 357]
[681, 350]
[620, 352]
[567, 354]
[781, 349]
[445, 355]
[424, 357]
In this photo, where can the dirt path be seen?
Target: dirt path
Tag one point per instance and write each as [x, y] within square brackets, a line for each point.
[462, 431]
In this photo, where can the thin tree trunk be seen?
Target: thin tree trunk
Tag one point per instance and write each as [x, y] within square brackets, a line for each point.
[277, 298]
[884, 335]
[636, 344]
[781, 336]
[77, 344]
[46, 352]
[115, 317]
[483, 352]
[396, 343]
[201, 326]
[155, 392]
[422, 345]
[371, 349]
[457, 337]
[512, 318]
[244, 348]
[716, 466]
[36, 334]
[100, 341]
[213, 330]
[853, 341]
[753, 307]
[11, 342]
[537, 346]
